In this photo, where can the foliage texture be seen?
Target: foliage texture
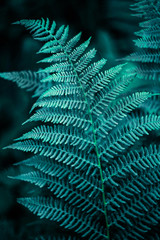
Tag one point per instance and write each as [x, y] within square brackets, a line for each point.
[148, 41]
[96, 184]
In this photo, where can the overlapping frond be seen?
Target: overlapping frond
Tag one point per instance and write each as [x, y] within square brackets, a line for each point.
[29, 80]
[148, 40]
[152, 106]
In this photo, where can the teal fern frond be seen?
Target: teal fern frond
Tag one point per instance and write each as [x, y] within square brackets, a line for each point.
[151, 106]
[29, 80]
[96, 185]
[148, 56]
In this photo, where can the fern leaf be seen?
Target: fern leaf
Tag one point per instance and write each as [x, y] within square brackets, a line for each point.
[58, 67]
[77, 52]
[105, 97]
[87, 186]
[29, 80]
[152, 31]
[58, 135]
[57, 57]
[134, 180]
[72, 42]
[61, 77]
[61, 190]
[66, 216]
[149, 41]
[67, 155]
[39, 28]
[60, 168]
[119, 110]
[61, 117]
[145, 57]
[66, 103]
[52, 47]
[102, 80]
[85, 60]
[131, 132]
[60, 90]
[91, 71]
[96, 188]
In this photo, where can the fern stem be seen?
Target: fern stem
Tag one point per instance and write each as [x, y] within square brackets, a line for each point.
[94, 137]
[99, 162]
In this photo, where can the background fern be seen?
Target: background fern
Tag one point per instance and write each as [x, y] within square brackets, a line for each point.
[29, 80]
[146, 56]
[98, 181]
[148, 41]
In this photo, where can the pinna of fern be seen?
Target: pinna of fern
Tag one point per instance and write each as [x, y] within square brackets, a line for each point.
[100, 187]
[29, 80]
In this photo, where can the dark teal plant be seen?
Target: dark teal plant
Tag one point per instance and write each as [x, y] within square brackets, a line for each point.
[99, 185]
[148, 42]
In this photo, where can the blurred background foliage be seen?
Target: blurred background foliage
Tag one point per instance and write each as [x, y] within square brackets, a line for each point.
[112, 28]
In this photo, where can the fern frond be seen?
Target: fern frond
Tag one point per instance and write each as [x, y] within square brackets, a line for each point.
[128, 134]
[152, 31]
[75, 197]
[78, 51]
[149, 40]
[57, 67]
[58, 116]
[146, 9]
[60, 90]
[151, 73]
[119, 110]
[66, 154]
[102, 80]
[58, 135]
[52, 47]
[40, 28]
[134, 180]
[67, 217]
[96, 186]
[133, 162]
[106, 96]
[91, 71]
[69, 76]
[145, 57]
[29, 80]
[66, 103]
[61, 169]
[152, 106]
[85, 60]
